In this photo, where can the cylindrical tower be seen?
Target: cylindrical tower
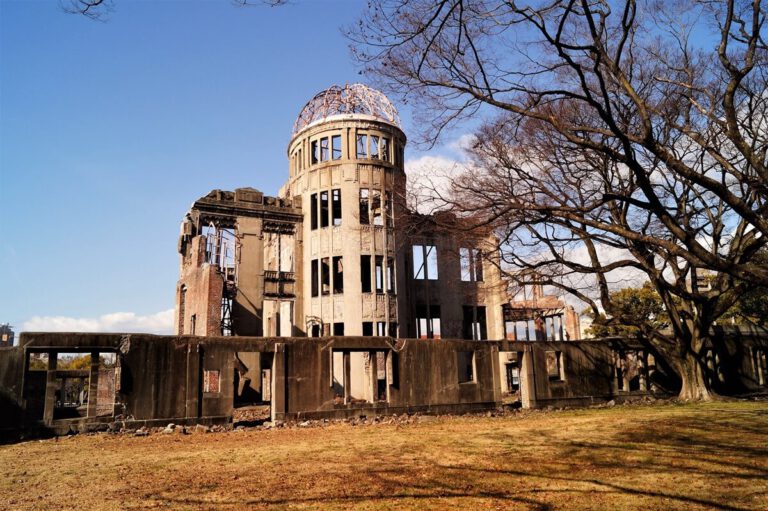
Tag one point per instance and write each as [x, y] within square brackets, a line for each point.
[346, 164]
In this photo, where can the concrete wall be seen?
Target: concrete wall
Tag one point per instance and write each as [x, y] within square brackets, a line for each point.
[191, 379]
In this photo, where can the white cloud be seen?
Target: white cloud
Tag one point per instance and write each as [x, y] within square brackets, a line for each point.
[158, 323]
[429, 181]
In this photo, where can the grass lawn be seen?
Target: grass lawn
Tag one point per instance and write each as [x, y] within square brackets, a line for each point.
[692, 456]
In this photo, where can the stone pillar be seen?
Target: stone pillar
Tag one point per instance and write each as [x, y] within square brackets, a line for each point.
[279, 387]
[527, 378]
[93, 385]
[50, 389]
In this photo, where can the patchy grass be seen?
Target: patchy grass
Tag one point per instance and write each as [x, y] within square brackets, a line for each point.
[695, 456]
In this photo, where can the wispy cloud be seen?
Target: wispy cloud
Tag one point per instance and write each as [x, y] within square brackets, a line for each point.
[158, 323]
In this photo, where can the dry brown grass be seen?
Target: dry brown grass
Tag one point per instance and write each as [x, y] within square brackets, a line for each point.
[702, 456]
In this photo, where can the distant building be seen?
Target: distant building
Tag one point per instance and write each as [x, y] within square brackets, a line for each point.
[6, 335]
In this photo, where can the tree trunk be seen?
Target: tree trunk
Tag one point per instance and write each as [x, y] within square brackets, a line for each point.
[695, 385]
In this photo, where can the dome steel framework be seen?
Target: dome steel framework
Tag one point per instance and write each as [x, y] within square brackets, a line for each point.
[353, 98]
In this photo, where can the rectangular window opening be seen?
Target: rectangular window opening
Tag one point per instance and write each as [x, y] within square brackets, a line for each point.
[315, 152]
[379, 274]
[325, 275]
[324, 149]
[313, 210]
[466, 366]
[336, 147]
[338, 275]
[338, 329]
[385, 149]
[374, 146]
[425, 262]
[364, 217]
[555, 365]
[362, 147]
[315, 277]
[324, 209]
[365, 273]
[336, 206]
[428, 322]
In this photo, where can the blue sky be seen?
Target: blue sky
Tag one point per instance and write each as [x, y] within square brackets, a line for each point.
[110, 130]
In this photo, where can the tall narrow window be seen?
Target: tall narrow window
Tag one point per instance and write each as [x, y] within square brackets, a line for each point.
[428, 322]
[362, 146]
[381, 328]
[390, 275]
[338, 275]
[365, 273]
[315, 152]
[425, 262]
[324, 209]
[325, 276]
[374, 146]
[388, 209]
[474, 323]
[324, 149]
[301, 162]
[379, 274]
[385, 148]
[471, 264]
[315, 277]
[336, 206]
[313, 210]
[364, 219]
[336, 147]
[376, 208]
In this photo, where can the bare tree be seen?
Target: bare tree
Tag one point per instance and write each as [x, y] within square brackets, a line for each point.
[636, 137]
[100, 9]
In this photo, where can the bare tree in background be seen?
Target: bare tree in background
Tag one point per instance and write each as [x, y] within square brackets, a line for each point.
[618, 136]
[100, 9]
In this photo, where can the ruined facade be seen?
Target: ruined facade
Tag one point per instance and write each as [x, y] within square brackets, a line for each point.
[338, 253]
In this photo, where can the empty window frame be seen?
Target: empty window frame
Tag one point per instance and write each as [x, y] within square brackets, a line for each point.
[428, 322]
[388, 214]
[374, 146]
[471, 264]
[364, 217]
[315, 274]
[362, 146]
[376, 212]
[425, 262]
[315, 152]
[365, 273]
[555, 365]
[338, 275]
[475, 323]
[338, 329]
[384, 149]
[390, 275]
[465, 361]
[316, 330]
[378, 328]
[324, 149]
[313, 211]
[379, 273]
[336, 147]
[325, 276]
[336, 206]
[324, 209]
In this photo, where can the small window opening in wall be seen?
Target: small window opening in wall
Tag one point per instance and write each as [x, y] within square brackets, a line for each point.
[374, 146]
[471, 264]
[474, 322]
[315, 277]
[325, 275]
[315, 329]
[362, 146]
[324, 209]
[425, 262]
[388, 209]
[324, 149]
[466, 366]
[300, 160]
[390, 275]
[338, 275]
[367, 328]
[338, 329]
[315, 152]
[313, 210]
[364, 217]
[385, 149]
[336, 206]
[428, 322]
[379, 274]
[555, 365]
[376, 208]
[336, 147]
[38, 362]
[365, 273]
[211, 381]
[193, 324]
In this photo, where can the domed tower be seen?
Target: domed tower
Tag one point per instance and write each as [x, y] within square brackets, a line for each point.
[346, 165]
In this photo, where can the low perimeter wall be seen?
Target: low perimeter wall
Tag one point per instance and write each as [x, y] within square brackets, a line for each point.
[141, 379]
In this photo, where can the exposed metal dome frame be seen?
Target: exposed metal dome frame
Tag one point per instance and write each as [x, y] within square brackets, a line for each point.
[355, 98]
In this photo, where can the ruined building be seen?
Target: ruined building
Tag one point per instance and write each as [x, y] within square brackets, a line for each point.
[333, 300]
[338, 253]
